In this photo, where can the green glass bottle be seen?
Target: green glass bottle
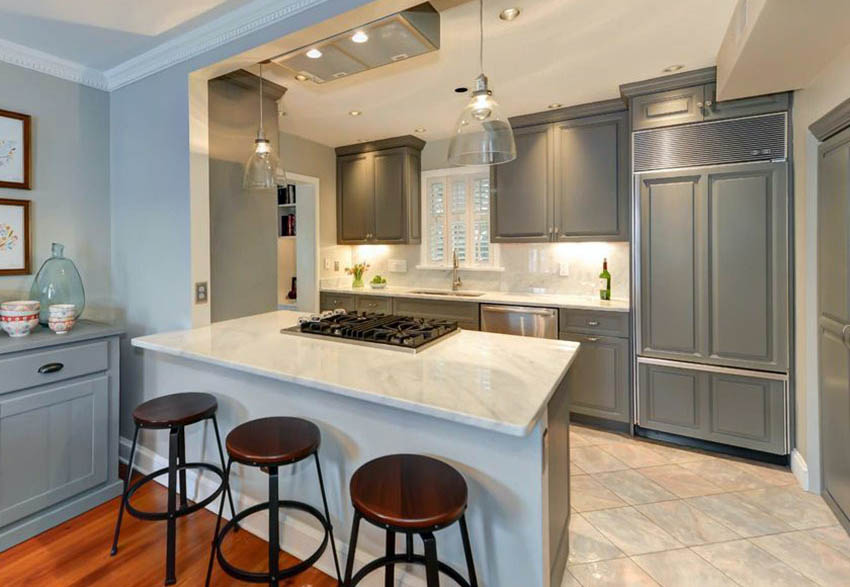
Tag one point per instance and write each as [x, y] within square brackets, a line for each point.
[605, 289]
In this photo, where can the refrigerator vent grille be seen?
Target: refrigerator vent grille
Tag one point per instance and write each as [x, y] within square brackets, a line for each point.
[755, 138]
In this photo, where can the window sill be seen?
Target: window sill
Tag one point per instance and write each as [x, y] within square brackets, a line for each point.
[461, 268]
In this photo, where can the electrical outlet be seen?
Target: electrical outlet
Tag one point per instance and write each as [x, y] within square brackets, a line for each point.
[201, 292]
[327, 264]
[336, 265]
[564, 270]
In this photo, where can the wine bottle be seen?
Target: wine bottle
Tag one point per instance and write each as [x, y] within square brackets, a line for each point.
[605, 284]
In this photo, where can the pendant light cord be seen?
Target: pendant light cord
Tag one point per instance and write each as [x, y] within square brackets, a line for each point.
[261, 101]
[481, 35]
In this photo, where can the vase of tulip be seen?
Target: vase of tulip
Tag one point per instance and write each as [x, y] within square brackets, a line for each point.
[357, 270]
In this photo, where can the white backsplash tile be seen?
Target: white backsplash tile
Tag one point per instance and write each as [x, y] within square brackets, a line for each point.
[527, 268]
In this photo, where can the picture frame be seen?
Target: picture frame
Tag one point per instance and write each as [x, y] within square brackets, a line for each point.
[15, 237]
[15, 157]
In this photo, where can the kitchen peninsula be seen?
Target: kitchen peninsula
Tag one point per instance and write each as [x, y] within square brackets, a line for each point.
[492, 405]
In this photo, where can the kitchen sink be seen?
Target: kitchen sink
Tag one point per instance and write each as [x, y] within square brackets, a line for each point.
[438, 292]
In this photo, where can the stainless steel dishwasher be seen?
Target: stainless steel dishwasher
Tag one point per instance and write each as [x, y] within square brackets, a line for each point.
[520, 320]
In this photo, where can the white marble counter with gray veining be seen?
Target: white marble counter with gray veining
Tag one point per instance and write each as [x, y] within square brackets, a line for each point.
[492, 381]
[492, 297]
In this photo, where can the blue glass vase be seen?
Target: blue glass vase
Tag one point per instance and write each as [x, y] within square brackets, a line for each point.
[58, 282]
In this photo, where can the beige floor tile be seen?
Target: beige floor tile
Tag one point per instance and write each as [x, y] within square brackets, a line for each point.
[587, 545]
[739, 515]
[613, 573]
[833, 536]
[633, 488]
[686, 523]
[592, 459]
[799, 509]
[725, 475]
[587, 494]
[631, 531]
[682, 568]
[680, 481]
[816, 560]
[575, 469]
[569, 580]
[772, 474]
[673, 454]
[576, 438]
[751, 566]
[596, 436]
[634, 454]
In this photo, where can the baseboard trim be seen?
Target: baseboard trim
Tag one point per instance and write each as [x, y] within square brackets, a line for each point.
[297, 538]
[800, 469]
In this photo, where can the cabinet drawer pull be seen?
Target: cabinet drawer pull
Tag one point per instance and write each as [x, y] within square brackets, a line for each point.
[50, 368]
[593, 322]
[592, 338]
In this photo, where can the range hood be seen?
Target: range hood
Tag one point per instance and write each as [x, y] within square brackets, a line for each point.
[396, 37]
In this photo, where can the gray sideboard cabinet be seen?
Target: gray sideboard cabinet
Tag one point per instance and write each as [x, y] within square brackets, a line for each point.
[58, 427]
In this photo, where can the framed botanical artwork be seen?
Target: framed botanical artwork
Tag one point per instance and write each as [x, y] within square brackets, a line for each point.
[14, 150]
[14, 237]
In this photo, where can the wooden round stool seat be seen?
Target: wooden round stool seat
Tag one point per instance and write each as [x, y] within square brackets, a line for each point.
[409, 491]
[273, 441]
[177, 409]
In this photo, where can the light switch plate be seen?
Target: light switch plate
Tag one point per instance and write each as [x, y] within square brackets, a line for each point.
[336, 265]
[201, 292]
[327, 263]
[564, 269]
[397, 266]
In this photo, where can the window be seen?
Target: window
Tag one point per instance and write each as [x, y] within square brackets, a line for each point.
[456, 213]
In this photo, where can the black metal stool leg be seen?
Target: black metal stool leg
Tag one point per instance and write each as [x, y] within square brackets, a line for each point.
[171, 533]
[432, 572]
[181, 460]
[389, 570]
[227, 486]
[226, 482]
[467, 550]
[328, 517]
[114, 550]
[352, 548]
[274, 527]
[409, 540]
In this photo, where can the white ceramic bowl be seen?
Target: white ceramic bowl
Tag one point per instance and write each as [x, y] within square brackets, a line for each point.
[17, 326]
[31, 306]
[61, 326]
[62, 310]
[18, 313]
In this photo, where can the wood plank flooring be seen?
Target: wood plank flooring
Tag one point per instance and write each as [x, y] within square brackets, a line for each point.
[76, 553]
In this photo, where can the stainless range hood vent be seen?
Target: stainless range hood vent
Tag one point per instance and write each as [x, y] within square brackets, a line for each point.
[396, 37]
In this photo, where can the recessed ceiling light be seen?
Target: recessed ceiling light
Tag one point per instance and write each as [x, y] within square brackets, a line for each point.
[418, 129]
[360, 37]
[461, 90]
[672, 68]
[509, 13]
[314, 53]
[301, 77]
[354, 113]
[554, 105]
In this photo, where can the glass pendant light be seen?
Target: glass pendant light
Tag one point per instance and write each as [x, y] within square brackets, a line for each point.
[483, 136]
[263, 170]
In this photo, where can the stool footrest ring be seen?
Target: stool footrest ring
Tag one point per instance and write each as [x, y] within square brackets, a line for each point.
[252, 577]
[417, 559]
[183, 511]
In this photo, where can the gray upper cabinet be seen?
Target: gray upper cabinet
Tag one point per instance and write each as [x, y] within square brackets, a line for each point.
[713, 256]
[592, 178]
[715, 110]
[378, 199]
[521, 191]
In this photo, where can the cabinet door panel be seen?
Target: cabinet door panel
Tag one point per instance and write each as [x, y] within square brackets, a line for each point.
[670, 399]
[743, 106]
[598, 379]
[414, 188]
[522, 190]
[390, 201]
[53, 443]
[591, 175]
[668, 108]
[356, 198]
[747, 262]
[671, 272]
[747, 412]
[374, 304]
[334, 301]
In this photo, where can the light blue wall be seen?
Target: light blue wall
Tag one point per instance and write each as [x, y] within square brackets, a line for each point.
[149, 192]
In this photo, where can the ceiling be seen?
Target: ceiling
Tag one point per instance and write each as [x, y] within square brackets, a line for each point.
[101, 34]
[557, 51]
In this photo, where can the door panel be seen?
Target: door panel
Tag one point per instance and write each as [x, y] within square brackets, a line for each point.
[747, 260]
[670, 265]
[522, 190]
[670, 399]
[356, 202]
[598, 380]
[390, 203]
[679, 106]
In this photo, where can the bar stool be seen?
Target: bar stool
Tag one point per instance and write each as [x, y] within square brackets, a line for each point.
[409, 494]
[173, 412]
[270, 443]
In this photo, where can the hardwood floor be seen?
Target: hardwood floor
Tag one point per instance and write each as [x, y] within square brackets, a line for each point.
[76, 553]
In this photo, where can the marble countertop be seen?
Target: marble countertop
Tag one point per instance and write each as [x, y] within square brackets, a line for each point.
[493, 381]
[493, 297]
[42, 336]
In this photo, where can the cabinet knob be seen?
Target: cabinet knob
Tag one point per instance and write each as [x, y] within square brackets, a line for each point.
[699, 104]
[708, 103]
[50, 368]
[592, 338]
[845, 335]
[593, 323]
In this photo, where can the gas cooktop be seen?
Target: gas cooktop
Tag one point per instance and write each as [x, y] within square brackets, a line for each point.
[395, 332]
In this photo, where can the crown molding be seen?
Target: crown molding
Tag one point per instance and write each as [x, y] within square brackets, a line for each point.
[46, 63]
[228, 27]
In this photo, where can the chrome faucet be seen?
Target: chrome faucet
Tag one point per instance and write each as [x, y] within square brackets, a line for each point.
[456, 282]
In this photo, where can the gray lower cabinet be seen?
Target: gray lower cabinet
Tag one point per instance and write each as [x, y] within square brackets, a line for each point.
[598, 379]
[373, 304]
[713, 255]
[464, 313]
[58, 428]
[557, 463]
[725, 407]
[337, 301]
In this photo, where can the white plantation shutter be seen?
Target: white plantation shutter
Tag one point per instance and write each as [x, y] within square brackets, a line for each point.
[457, 211]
